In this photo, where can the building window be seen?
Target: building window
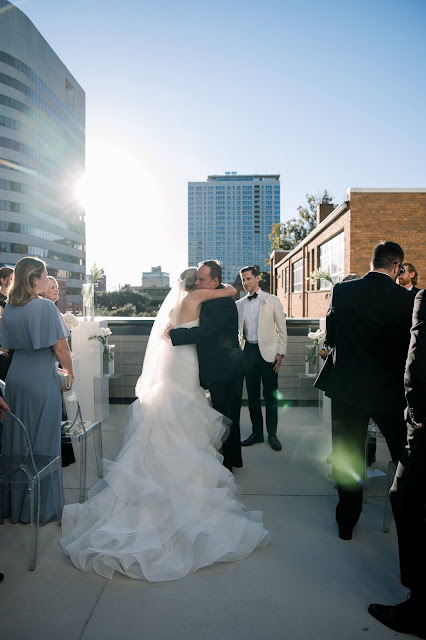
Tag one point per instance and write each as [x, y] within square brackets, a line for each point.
[286, 280]
[297, 275]
[331, 259]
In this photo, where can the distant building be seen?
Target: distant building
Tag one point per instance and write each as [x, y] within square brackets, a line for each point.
[155, 278]
[342, 243]
[230, 218]
[42, 154]
[101, 284]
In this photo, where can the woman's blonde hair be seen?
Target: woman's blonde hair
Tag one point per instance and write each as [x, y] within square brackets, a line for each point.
[22, 289]
[190, 276]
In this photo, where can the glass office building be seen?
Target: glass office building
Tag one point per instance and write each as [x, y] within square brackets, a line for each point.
[42, 154]
[230, 217]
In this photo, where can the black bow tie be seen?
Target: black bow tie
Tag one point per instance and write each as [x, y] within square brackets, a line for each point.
[253, 296]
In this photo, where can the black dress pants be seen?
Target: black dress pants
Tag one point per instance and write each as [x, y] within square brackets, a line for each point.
[256, 371]
[349, 430]
[226, 398]
[408, 499]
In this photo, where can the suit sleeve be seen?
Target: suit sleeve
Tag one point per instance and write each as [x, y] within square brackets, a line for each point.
[281, 326]
[415, 371]
[330, 332]
[215, 321]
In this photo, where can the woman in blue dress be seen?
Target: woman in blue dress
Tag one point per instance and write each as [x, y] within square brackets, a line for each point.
[34, 328]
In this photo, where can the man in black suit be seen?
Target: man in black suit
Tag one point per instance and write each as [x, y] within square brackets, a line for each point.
[409, 278]
[408, 493]
[368, 328]
[219, 356]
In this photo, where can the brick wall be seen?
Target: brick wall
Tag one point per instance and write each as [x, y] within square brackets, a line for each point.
[400, 217]
[373, 216]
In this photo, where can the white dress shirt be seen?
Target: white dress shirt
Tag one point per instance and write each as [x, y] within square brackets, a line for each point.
[251, 318]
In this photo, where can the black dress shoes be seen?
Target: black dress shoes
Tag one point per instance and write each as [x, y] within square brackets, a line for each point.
[345, 533]
[253, 439]
[275, 443]
[402, 617]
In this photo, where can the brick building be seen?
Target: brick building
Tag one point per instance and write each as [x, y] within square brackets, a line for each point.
[342, 243]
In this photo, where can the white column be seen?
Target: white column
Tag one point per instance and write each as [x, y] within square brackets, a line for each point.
[91, 387]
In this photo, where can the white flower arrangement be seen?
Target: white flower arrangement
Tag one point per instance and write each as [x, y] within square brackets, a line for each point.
[70, 320]
[318, 275]
[317, 337]
[102, 336]
[88, 289]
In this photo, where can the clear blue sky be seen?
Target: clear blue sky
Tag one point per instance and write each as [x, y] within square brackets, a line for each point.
[330, 94]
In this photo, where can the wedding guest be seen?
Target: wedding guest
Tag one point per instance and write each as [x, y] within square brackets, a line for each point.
[52, 290]
[6, 278]
[409, 278]
[35, 329]
[67, 451]
[368, 329]
[263, 337]
[408, 492]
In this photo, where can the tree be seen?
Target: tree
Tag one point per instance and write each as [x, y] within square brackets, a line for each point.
[118, 299]
[288, 234]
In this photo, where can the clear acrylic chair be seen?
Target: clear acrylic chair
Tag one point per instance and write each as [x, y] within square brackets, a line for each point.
[24, 473]
[75, 429]
[373, 432]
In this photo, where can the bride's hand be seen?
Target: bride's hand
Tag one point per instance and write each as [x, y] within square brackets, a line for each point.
[166, 332]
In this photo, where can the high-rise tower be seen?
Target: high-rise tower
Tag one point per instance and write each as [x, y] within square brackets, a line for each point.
[42, 153]
[230, 217]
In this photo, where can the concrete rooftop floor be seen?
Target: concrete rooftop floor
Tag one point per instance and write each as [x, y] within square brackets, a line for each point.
[306, 584]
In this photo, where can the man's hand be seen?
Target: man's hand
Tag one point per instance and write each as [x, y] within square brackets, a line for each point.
[4, 352]
[3, 407]
[277, 363]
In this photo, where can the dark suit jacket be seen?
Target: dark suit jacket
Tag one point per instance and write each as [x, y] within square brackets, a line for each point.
[368, 327]
[415, 371]
[414, 291]
[219, 352]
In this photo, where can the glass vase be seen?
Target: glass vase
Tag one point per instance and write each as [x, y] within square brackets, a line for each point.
[88, 302]
[108, 360]
[311, 360]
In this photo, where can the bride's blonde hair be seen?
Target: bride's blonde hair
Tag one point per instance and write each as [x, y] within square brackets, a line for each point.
[190, 276]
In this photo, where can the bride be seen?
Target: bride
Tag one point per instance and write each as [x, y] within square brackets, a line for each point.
[167, 506]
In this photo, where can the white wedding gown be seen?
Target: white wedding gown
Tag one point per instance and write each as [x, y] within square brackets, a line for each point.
[167, 506]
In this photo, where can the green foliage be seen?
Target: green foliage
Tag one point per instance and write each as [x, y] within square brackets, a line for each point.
[126, 310]
[265, 281]
[102, 311]
[288, 234]
[115, 300]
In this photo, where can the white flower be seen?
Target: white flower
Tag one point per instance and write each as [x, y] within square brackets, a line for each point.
[317, 335]
[70, 320]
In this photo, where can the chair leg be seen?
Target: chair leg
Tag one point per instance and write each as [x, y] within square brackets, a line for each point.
[97, 440]
[387, 514]
[83, 467]
[34, 491]
[365, 496]
[58, 493]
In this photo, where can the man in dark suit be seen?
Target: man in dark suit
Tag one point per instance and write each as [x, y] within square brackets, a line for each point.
[368, 328]
[219, 356]
[409, 278]
[408, 493]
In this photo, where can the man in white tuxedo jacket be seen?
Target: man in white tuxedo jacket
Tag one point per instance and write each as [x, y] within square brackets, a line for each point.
[263, 337]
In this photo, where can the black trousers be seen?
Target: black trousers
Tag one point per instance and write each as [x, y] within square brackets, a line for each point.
[408, 499]
[256, 371]
[349, 430]
[226, 398]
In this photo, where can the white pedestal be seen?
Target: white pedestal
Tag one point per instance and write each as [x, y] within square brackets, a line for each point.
[91, 387]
